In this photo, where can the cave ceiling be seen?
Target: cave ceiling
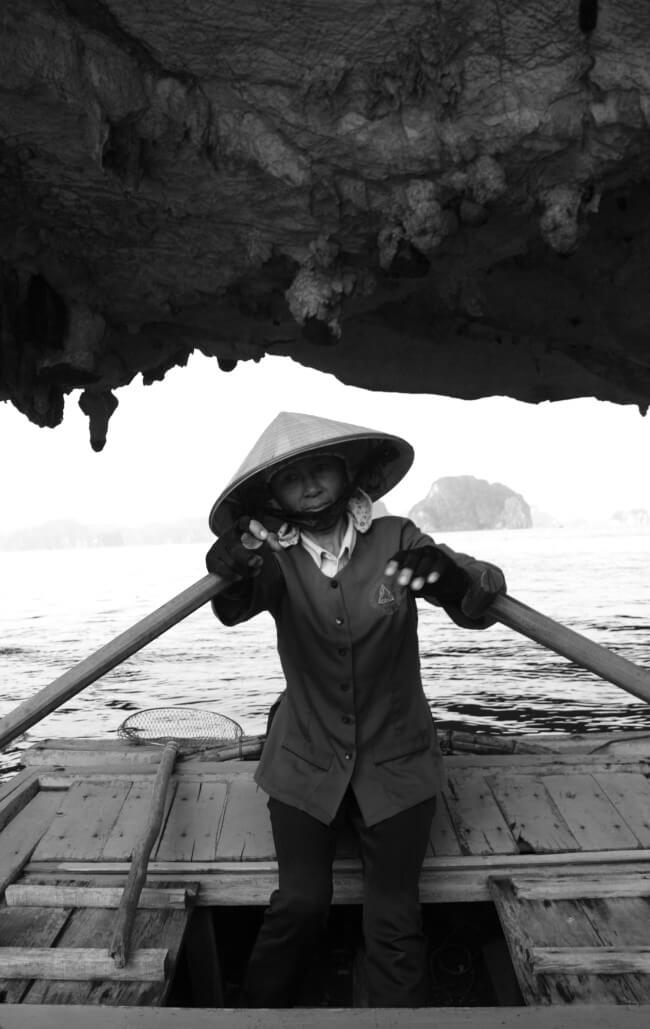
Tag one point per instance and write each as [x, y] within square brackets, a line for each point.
[447, 197]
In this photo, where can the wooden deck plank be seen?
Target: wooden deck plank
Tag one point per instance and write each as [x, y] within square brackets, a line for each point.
[246, 829]
[443, 839]
[129, 824]
[76, 896]
[492, 864]
[629, 792]
[177, 838]
[193, 823]
[92, 927]
[532, 817]
[16, 793]
[529, 924]
[478, 822]
[89, 752]
[623, 922]
[33, 927]
[70, 964]
[586, 1016]
[589, 813]
[589, 960]
[563, 887]
[15, 782]
[83, 821]
[248, 886]
[19, 838]
[452, 878]
[72, 763]
[209, 814]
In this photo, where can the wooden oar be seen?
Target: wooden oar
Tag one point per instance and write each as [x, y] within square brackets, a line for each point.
[103, 660]
[572, 645]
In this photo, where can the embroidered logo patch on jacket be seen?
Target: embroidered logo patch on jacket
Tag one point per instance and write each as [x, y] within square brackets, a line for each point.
[386, 596]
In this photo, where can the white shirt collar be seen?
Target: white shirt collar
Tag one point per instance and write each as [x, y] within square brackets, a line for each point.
[326, 561]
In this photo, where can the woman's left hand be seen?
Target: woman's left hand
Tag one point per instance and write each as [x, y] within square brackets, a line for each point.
[419, 566]
[449, 578]
[486, 582]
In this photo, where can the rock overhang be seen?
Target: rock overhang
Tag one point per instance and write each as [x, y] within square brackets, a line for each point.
[445, 197]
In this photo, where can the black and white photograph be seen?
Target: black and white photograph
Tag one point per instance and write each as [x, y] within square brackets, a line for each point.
[325, 514]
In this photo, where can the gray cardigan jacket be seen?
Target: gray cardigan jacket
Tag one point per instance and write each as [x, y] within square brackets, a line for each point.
[354, 712]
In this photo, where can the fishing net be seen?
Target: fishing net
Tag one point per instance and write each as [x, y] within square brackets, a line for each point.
[187, 726]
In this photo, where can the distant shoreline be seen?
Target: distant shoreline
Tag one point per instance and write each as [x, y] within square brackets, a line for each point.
[75, 536]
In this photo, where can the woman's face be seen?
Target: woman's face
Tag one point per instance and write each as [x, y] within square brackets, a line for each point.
[310, 483]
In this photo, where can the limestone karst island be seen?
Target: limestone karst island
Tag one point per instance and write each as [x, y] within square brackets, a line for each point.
[465, 502]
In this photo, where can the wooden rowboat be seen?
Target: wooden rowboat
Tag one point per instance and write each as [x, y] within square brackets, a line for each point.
[536, 889]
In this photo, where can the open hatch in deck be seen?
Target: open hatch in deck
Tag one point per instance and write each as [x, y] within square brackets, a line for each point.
[556, 844]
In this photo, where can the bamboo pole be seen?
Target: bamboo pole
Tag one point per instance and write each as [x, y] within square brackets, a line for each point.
[107, 657]
[245, 747]
[123, 926]
[572, 645]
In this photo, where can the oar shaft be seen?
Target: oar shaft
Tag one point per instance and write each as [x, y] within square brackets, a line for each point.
[572, 645]
[107, 657]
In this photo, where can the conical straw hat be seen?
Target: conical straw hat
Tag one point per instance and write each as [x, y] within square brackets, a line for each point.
[378, 460]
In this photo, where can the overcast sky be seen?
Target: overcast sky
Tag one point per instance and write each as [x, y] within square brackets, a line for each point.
[172, 446]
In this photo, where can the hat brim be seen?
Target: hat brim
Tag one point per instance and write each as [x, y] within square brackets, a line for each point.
[377, 461]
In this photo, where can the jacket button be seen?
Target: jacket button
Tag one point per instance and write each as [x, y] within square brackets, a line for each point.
[339, 621]
[344, 686]
[342, 651]
[346, 719]
[334, 584]
[348, 756]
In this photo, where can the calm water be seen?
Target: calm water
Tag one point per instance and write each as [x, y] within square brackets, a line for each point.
[56, 607]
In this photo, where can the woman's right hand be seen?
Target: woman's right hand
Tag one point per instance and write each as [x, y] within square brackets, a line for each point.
[234, 556]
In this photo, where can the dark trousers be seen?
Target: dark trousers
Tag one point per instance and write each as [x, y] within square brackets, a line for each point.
[392, 853]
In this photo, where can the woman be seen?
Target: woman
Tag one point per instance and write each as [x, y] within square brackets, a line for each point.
[353, 738]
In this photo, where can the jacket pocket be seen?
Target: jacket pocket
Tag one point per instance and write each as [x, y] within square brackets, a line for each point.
[298, 745]
[401, 746]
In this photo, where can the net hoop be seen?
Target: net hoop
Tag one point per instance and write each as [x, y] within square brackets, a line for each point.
[189, 727]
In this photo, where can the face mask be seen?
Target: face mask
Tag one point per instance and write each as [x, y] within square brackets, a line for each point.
[318, 521]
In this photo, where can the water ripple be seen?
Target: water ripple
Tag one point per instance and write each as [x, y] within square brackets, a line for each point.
[494, 680]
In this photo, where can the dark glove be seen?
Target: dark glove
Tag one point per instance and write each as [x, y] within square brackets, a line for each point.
[485, 582]
[451, 582]
[469, 585]
[229, 558]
